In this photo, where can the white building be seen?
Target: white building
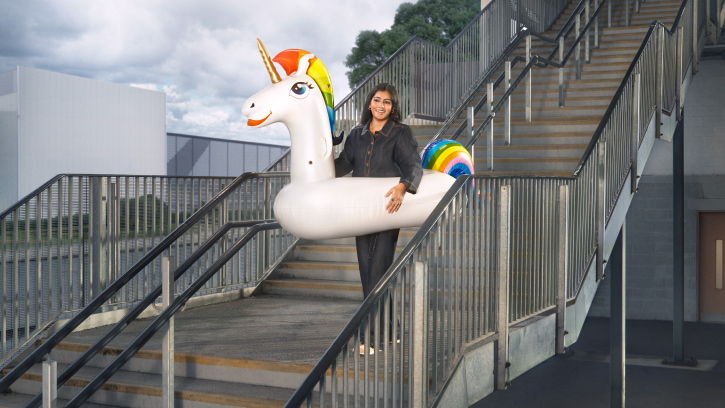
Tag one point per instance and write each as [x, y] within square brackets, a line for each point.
[53, 123]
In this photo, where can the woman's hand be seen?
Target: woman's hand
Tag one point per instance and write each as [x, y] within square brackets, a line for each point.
[396, 198]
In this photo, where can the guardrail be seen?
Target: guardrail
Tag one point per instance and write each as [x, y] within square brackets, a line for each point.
[446, 290]
[68, 241]
[432, 80]
[211, 258]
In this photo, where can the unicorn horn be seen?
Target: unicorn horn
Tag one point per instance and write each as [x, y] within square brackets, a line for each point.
[268, 63]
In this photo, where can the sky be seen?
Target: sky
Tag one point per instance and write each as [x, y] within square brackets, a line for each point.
[202, 54]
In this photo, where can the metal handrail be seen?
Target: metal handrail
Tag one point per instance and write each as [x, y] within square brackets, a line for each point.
[535, 61]
[584, 223]
[407, 73]
[115, 286]
[615, 99]
[132, 314]
[162, 319]
[539, 61]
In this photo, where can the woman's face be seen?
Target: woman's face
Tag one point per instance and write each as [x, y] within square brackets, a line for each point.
[381, 105]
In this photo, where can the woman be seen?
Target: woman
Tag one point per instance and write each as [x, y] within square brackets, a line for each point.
[381, 146]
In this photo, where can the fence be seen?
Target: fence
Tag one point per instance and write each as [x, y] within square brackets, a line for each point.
[476, 236]
[73, 237]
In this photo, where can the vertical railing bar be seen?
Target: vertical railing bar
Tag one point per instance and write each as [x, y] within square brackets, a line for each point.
[38, 261]
[600, 205]
[528, 78]
[16, 273]
[561, 71]
[503, 288]
[634, 134]
[507, 127]
[26, 244]
[3, 280]
[563, 247]
[489, 144]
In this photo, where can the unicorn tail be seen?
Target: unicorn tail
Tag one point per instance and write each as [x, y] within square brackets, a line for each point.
[447, 156]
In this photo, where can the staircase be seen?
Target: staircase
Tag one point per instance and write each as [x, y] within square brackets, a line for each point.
[553, 142]
[256, 351]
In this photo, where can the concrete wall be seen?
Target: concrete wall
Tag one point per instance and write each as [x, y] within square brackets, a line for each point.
[68, 124]
[8, 139]
[649, 232]
[202, 156]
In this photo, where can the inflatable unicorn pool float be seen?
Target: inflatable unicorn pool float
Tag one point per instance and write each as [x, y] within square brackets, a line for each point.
[316, 204]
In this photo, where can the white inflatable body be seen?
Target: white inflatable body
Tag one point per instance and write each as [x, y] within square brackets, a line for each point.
[351, 206]
[316, 205]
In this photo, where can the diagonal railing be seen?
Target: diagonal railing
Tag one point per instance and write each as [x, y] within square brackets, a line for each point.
[442, 293]
[69, 239]
[432, 80]
[211, 258]
[250, 196]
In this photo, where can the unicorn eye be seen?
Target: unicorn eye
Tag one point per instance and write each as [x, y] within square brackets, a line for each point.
[300, 90]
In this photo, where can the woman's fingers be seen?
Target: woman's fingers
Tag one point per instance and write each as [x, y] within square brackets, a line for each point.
[394, 204]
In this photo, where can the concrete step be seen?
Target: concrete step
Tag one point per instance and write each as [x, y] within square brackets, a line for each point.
[135, 389]
[194, 366]
[518, 112]
[313, 287]
[18, 400]
[533, 151]
[534, 139]
[558, 164]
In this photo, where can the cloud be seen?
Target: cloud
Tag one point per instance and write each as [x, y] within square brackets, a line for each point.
[202, 54]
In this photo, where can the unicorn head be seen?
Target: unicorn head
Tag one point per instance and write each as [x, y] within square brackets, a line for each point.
[302, 101]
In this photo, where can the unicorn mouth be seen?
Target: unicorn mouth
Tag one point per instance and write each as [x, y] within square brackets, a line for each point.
[252, 122]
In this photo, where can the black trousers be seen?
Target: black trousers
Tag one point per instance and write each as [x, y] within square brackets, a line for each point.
[375, 254]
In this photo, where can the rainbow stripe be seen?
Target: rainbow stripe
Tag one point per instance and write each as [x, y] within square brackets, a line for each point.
[290, 59]
[447, 156]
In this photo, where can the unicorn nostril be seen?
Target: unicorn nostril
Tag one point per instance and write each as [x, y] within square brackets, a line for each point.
[252, 105]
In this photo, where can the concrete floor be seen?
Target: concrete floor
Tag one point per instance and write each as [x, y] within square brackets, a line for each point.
[265, 327]
[581, 378]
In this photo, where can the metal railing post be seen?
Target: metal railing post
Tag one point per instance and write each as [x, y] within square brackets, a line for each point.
[678, 75]
[420, 337]
[50, 383]
[561, 71]
[528, 79]
[695, 35]
[98, 235]
[634, 140]
[659, 79]
[586, 36]
[600, 207]
[596, 26]
[470, 116]
[502, 315]
[578, 47]
[507, 125]
[114, 268]
[563, 266]
[167, 353]
[617, 311]
[609, 14]
[489, 142]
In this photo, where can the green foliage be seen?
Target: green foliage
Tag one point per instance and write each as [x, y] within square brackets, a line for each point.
[437, 21]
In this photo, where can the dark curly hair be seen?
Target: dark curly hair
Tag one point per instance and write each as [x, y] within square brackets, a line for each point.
[367, 115]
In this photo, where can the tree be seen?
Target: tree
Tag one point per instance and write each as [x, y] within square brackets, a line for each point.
[437, 21]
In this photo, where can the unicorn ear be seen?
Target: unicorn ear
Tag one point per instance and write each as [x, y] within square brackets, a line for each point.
[304, 64]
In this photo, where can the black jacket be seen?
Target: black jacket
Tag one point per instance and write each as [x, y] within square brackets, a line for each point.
[393, 153]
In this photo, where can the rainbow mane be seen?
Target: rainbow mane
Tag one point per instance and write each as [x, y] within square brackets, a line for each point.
[447, 156]
[289, 60]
